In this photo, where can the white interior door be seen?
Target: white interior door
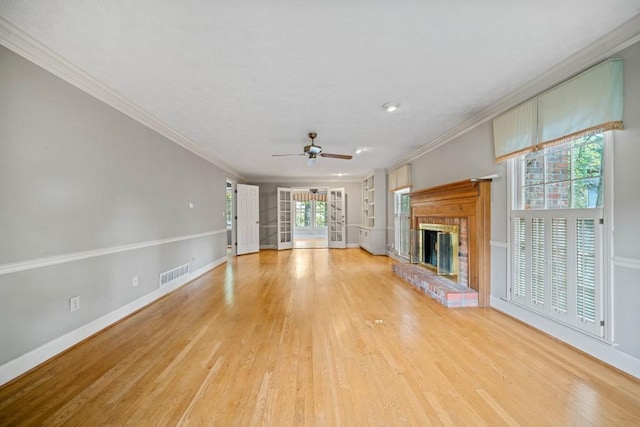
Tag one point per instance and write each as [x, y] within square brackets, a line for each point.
[285, 225]
[336, 211]
[248, 219]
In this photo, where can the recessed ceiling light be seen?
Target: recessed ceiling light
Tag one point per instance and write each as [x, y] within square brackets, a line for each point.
[390, 107]
[361, 150]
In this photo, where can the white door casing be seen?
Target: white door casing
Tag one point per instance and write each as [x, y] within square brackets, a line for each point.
[285, 224]
[248, 218]
[336, 211]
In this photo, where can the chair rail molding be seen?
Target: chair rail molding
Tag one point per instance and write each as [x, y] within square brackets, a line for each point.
[618, 261]
[16, 267]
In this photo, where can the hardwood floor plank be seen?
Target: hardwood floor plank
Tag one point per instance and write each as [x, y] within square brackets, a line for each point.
[318, 337]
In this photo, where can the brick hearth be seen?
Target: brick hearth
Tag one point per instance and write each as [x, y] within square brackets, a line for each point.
[445, 291]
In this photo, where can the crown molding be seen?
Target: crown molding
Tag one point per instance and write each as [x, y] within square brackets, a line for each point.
[34, 51]
[603, 48]
[303, 179]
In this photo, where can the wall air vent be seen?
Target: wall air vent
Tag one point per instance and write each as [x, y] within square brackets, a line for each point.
[173, 274]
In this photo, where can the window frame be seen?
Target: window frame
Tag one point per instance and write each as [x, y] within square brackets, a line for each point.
[604, 214]
[545, 183]
[312, 215]
[398, 219]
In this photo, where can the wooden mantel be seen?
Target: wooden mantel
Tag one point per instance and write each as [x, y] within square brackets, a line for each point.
[469, 199]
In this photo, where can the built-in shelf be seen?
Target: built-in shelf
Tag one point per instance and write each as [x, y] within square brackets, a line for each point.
[372, 231]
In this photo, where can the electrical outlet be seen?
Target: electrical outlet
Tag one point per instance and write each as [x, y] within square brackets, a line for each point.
[135, 281]
[193, 259]
[74, 304]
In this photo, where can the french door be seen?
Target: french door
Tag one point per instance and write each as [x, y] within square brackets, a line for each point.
[285, 225]
[336, 212]
[248, 219]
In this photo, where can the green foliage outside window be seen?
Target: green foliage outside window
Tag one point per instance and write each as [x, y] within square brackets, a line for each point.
[321, 214]
[303, 214]
[311, 214]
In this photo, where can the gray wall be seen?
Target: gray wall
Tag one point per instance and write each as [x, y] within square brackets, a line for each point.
[268, 208]
[626, 211]
[76, 175]
[472, 155]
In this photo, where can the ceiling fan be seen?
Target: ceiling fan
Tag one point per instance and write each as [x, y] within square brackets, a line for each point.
[313, 150]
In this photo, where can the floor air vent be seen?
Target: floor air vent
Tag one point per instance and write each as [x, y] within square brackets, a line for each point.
[173, 274]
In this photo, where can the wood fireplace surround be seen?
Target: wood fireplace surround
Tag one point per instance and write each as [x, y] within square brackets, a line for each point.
[465, 202]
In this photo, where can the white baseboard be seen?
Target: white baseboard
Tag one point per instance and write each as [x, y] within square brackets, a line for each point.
[606, 352]
[28, 361]
[353, 245]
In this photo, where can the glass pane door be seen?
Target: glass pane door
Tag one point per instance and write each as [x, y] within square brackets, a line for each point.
[336, 210]
[285, 227]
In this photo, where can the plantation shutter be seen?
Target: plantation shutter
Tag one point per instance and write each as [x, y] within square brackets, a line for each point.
[537, 261]
[520, 257]
[559, 264]
[586, 270]
[556, 265]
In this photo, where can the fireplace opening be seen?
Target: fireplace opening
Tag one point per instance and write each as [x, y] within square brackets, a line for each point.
[438, 248]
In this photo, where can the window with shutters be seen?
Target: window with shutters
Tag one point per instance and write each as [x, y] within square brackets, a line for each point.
[556, 232]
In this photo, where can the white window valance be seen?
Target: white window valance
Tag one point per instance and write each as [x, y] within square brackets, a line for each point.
[589, 103]
[515, 131]
[400, 178]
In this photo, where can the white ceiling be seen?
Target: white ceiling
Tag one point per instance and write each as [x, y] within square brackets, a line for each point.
[245, 79]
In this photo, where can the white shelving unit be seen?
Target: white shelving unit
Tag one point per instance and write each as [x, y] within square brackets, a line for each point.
[372, 231]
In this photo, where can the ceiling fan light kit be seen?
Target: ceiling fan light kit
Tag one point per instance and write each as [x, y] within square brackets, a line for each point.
[312, 151]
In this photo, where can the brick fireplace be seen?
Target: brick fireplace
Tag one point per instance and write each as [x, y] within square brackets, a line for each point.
[467, 205]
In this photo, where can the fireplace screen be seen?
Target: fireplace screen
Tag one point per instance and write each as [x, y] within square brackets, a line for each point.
[436, 247]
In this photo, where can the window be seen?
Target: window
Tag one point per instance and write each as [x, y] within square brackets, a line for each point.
[321, 214]
[401, 222]
[311, 214]
[303, 214]
[229, 207]
[568, 176]
[556, 232]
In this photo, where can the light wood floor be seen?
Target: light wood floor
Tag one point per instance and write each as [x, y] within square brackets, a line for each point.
[318, 337]
[310, 242]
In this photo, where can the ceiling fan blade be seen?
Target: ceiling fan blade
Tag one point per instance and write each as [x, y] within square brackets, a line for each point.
[284, 155]
[337, 156]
